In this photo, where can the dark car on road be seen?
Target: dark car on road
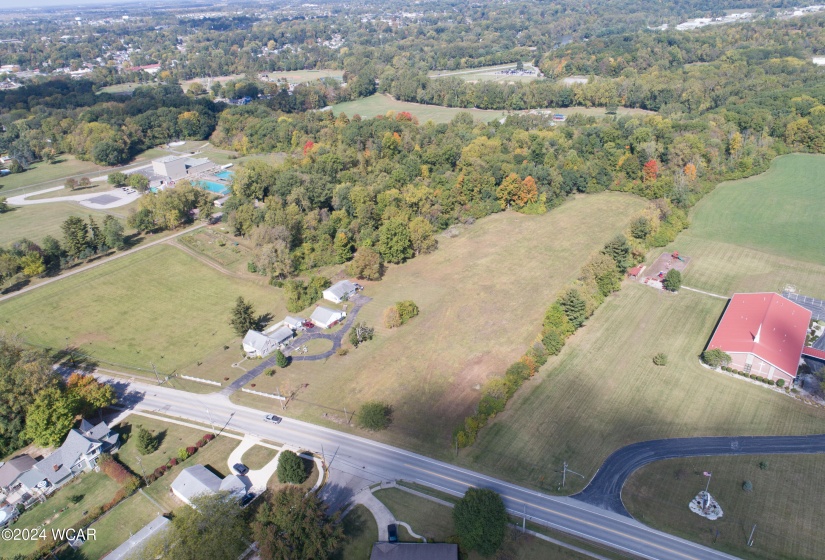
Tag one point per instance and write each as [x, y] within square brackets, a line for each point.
[272, 418]
[240, 468]
[392, 532]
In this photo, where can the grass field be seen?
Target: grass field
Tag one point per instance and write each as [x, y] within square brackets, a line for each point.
[778, 212]
[485, 74]
[39, 220]
[114, 528]
[57, 512]
[172, 437]
[361, 533]
[379, 104]
[482, 296]
[604, 392]
[760, 233]
[786, 503]
[43, 175]
[160, 305]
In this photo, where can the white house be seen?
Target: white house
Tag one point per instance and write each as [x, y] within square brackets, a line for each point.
[257, 344]
[197, 480]
[325, 317]
[340, 291]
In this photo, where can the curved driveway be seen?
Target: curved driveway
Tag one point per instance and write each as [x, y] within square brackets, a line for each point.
[605, 489]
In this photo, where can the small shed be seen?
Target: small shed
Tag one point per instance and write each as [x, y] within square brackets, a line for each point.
[340, 291]
[293, 323]
[325, 317]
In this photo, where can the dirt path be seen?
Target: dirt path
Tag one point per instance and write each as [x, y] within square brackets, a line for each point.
[205, 260]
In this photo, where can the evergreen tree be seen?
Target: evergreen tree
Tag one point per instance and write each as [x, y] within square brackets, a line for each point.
[113, 233]
[281, 359]
[243, 317]
[96, 241]
[574, 307]
[291, 469]
[146, 442]
[75, 236]
[619, 249]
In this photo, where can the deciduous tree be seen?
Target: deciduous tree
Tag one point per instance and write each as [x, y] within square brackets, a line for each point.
[374, 416]
[480, 521]
[51, 416]
[366, 265]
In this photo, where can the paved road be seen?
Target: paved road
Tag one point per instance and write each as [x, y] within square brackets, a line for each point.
[370, 461]
[605, 488]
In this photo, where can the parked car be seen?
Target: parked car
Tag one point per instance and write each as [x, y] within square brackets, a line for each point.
[272, 418]
[247, 498]
[392, 531]
[309, 325]
[240, 468]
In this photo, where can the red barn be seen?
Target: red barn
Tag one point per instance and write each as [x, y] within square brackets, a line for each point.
[764, 334]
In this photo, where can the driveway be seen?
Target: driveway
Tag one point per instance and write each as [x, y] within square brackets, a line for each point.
[256, 480]
[605, 489]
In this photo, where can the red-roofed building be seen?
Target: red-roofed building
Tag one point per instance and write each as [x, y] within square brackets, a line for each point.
[764, 333]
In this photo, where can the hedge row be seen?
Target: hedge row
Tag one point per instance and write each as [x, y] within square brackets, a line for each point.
[600, 277]
[778, 382]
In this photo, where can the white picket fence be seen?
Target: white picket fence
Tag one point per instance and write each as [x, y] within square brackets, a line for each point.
[262, 394]
[199, 380]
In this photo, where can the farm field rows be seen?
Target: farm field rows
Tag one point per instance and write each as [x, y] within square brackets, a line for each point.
[482, 297]
[603, 392]
[160, 305]
[379, 104]
[785, 504]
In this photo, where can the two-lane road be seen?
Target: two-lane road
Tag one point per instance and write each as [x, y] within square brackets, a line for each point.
[375, 461]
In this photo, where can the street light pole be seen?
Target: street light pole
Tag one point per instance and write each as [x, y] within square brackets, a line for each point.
[210, 421]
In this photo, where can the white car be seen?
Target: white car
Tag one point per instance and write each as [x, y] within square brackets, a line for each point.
[272, 418]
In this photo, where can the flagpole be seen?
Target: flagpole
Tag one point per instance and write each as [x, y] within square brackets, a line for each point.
[708, 484]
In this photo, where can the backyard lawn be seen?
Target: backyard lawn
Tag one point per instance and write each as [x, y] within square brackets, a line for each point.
[361, 533]
[118, 524]
[257, 456]
[158, 306]
[785, 504]
[482, 297]
[171, 436]
[604, 392]
[58, 512]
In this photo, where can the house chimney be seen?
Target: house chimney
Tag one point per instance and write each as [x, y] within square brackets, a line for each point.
[56, 467]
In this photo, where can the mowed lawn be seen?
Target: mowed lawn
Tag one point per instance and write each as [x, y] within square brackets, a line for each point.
[160, 305]
[482, 296]
[604, 392]
[39, 220]
[786, 503]
[779, 211]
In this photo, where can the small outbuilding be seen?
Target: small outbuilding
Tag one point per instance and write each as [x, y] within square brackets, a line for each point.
[282, 335]
[325, 317]
[197, 480]
[257, 344]
[340, 291]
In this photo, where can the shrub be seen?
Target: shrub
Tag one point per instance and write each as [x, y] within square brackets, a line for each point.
[291, 468]
[406, 310]
[660, 359]
[747, 486]
[763, 465]
[116, 471]
[771, 382]
[539, 354]
[480, 521]
[375, 416]
[146, 442]
[209, 437]
[270, 372]
[392, 318]
[173, 462]
[752, 376]
[191, 450]
[517, 373]
[780, 382]
[490, 405]
[715, 358]
[553, 341]
[158, 472]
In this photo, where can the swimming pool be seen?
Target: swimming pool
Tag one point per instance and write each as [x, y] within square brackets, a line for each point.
[225, 175]
[212, 186]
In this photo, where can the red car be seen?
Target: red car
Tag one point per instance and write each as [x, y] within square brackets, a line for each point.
[309, 325]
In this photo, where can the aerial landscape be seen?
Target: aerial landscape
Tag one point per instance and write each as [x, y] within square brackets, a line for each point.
[433, 280]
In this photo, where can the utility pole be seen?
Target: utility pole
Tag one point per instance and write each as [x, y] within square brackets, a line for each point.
[564, 474]
[210, 421]
[524, 520]
[157, 377]
[750, 539]
[142, 470]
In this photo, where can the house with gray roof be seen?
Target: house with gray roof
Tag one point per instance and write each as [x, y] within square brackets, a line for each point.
[79, 452]
[138, 540]
[293, 323]
[340, 291]
[258, 345]
[13, 469]
[325, 317]
[197, 480]
[414, 551]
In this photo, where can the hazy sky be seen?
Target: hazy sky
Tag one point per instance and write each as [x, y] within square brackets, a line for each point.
[63, 3]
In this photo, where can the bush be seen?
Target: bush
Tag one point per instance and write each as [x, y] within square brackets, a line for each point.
[763, 465]
[517, 374]
[270, 372]
[116, 471]
[360, 333]
[407, 310]
[191, 450]
[291, 468]
[209, 437]
[715, 358]
[673, 280]
[490, 405]
[780, 382]
[173, 462]
[480, 521]
[392, 319]
[553, 341]
[146, 442]
[660, 359]
[747, 486]
[752, 376]
[183, 453]
[375, 416]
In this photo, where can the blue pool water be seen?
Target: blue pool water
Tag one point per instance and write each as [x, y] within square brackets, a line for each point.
[212, 186]
[225, 175]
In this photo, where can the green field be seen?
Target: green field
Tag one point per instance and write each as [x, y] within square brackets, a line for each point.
[380, 104]
[160, 305]
[117, 525]
[603, 392]
[361, 533]
[786, 503]
[778, 212]
[258, 456]
[485, 74]
[171, 436]
[482, 296]
[39, 220]
[43, 175]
